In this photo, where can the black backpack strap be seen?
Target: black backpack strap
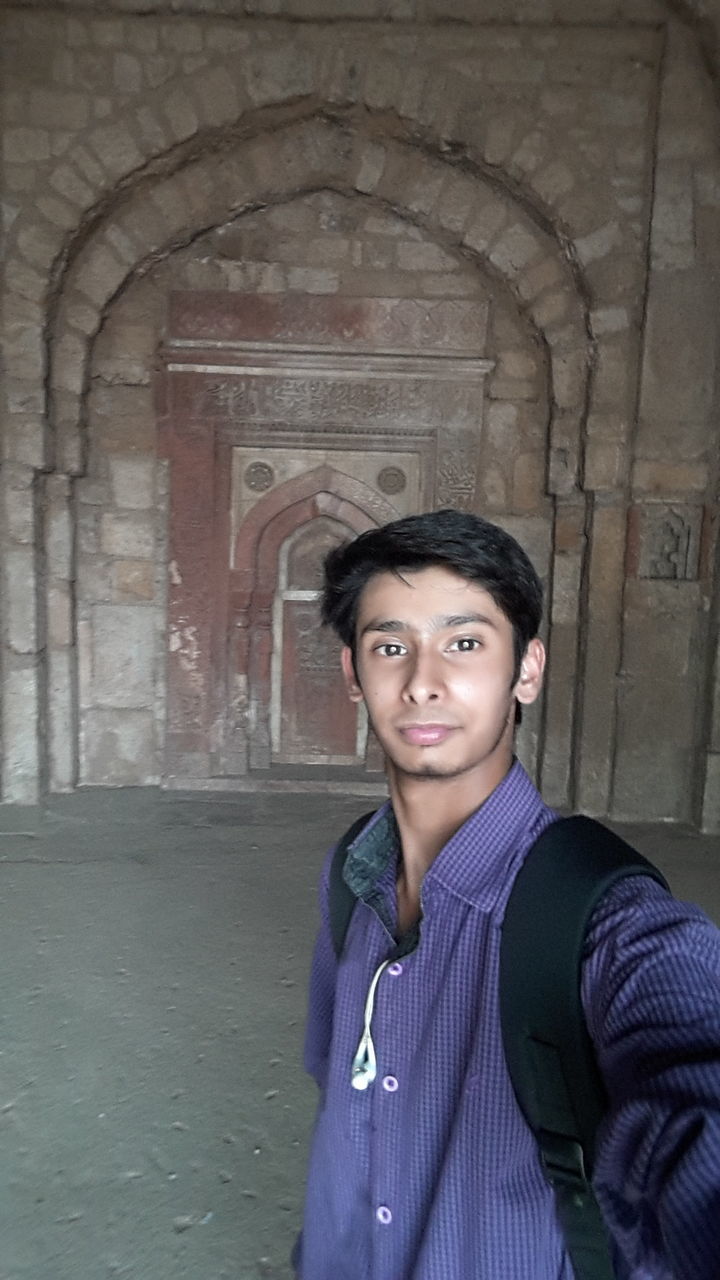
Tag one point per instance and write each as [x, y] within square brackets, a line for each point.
[548, 1049]
[341, 900]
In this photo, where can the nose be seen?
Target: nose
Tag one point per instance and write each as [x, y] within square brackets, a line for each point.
[424, 680]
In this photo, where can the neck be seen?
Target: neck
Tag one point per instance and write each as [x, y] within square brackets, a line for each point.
[429, 811]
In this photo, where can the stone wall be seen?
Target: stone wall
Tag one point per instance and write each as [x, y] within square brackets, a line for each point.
[566, 175]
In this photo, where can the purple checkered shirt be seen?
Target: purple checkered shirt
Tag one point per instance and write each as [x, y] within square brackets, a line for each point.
[431, 1172]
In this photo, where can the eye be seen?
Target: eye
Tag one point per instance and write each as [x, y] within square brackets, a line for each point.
[466, 644]
[390, 649]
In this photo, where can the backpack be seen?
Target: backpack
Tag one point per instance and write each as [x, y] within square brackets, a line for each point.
[548, 1050]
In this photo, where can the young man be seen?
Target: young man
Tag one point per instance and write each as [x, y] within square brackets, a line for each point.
[422, 1166]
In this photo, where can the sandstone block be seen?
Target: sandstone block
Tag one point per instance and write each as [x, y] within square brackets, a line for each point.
[132, 481]
[554, 180]
[511, 389]
[99, 274]
[121, 244]
[217, 96]
[274, 74]
[531, 152]
[107, 33]
[144, 224]
[443, 285]
[58, 211]
[127, 536]
[546, 274]
[680, 351]
[77, 33]
[68, 363]
[567, 585]
[598, 243]
[19, 502]
[710, 818]
[118, 749]
[24, 396]
[87, 529]
[25, 440]
[672, 237]
[154, 134]
[181, 36]
[515, 248]
[133, 579]
[39, 244]
[614, 377]
[89, 166]
[69, 184]
[455, 202]
[116, 148]
[167, 196]
[570, 527]
[421, 194]
[123, 656]
[59, 615]
[372, 161]
[227, 38]
[22, 280]
[424, 256]
[19, 599]
[550, 308]
[57, 109]
[61, 731]
[500, 136]
[528, 482]
[502, 422]
[21, 754]
[23, 351]
[25, 144]
[609, 320]
[94, 580]
[668, 478]
[569, 378]
[181, 114]
[92, 492]
[605, 465]
[486, 224]
[381, 83]
[313, 280]
[562, 470]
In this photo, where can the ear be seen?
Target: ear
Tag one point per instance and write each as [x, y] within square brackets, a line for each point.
[532, 666]
[355, 693]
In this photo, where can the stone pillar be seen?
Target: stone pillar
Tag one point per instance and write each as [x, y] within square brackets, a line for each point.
[61, 717]
[20, 636]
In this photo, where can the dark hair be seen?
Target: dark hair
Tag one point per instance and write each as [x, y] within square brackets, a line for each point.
[472, 547]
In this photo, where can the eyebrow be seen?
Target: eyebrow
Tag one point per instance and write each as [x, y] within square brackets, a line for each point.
[439, 623]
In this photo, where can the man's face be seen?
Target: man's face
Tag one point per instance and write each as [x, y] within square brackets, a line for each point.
[435, 666]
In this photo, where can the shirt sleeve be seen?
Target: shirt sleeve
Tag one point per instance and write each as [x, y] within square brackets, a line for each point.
[321, 997]
[651, 994]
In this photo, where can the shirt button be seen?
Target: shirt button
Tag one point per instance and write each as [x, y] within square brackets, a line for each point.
[383, 1215]
[395, 969]
[390, 1083]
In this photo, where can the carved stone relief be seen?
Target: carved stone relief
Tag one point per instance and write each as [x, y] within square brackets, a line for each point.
[312, 418]
[669, 541]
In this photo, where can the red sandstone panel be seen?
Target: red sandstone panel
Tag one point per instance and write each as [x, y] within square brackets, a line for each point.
[378, 324]
[316, 717]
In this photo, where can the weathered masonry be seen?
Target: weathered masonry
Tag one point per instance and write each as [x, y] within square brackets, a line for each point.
[272, 278]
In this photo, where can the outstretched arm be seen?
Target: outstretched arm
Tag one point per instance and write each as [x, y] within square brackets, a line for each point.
[651, 993]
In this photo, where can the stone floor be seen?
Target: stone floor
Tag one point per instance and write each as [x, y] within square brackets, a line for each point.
[153, 1111]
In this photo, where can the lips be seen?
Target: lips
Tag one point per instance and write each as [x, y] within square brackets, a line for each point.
[425, 735]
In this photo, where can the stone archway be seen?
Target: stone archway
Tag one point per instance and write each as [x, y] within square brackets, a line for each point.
[496, 234]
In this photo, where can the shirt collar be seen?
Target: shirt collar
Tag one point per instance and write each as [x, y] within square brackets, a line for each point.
[478, 863]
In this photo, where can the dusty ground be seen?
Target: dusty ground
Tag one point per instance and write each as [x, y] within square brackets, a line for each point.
[153, 1112]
